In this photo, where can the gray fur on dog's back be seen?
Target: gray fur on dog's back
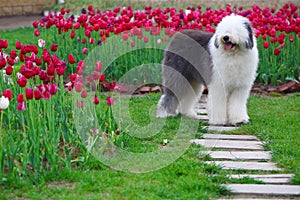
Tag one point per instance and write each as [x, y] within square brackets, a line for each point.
[188, 54]
[186, 67]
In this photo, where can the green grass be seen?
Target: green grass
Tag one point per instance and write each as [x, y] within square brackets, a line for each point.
[185, 178]
[276, 121]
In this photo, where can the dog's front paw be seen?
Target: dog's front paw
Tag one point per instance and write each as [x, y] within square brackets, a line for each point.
[238, 122]
[218, 122]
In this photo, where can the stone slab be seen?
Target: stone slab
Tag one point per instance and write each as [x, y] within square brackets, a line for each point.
[268, 189]
[235, 165]
[200, 106]
[266, 178]
[229, 137]
[239, 155]
[229, 144]
[221, 128]
[201, 111]
[202, 117]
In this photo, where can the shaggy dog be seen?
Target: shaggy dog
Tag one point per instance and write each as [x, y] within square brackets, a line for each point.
[225, 62]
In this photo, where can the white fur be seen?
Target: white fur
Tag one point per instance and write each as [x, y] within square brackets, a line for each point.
[233, 73]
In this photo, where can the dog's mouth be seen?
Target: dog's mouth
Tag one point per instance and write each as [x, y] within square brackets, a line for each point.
[229, 45]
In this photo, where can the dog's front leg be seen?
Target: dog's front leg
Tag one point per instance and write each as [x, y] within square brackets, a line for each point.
[237, 106]
[217, 104]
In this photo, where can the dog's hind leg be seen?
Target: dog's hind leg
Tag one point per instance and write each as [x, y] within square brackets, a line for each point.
[187, 105]
[167, 105]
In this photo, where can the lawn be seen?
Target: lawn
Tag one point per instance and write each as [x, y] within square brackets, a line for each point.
[274, 120]
[61, 87]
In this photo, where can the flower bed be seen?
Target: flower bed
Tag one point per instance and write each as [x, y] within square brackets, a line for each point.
[39, 80]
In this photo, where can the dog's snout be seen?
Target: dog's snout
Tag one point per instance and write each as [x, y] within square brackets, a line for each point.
[226, 38]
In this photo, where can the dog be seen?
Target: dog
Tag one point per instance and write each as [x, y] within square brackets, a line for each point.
[225, 62]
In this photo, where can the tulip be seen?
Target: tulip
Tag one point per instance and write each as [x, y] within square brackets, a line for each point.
[21, 106]
[98, 66]
[54, 47]
[101, 78]
[37, 94]
[36, 32]
[52, 89]
[78, 86]
[18, 44]
[266, 45]
[276, 52]
[71, 58]
[110, 101]
[41, 43]
[132, 43]
[8, 94]
[20, 98]
[96, 100]
[84, 50]
[29, 93]
[22, 81]
[9, 70]
[4, 103]
[84, 94]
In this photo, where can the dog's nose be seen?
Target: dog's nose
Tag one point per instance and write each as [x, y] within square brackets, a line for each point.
[226, 38]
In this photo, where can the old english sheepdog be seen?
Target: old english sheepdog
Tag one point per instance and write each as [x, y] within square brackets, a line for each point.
[225, 62]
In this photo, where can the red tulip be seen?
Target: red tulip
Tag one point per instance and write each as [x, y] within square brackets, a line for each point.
[13, 54]
[78, 86]
[36, 32]
[146, 39]
[52, 89]
[98, 66]
[84, 50]
[73, 77]
[37, 94]
[29, 93]
[18, 44]
[132, 43]
[72, 34]
[110, 101]
[71, 58]
[276, 52]
[96, 100]
[8, 70]
[20, 98]
[84, 94]
[102, 78]
[125, 36]
[22, 81]
[54, 47]
[79, 104]
[21, 106]
[8, 94]
[2, 63]
[266, 45]
[87, 33]
[35, 24]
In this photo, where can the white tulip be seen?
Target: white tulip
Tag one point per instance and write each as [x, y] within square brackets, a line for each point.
[4, 103]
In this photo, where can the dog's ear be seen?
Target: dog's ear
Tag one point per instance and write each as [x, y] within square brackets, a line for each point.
[249, 43]
[216, 43]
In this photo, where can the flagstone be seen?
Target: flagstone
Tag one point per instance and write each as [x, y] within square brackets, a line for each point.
[229, 137]
[221, 128]
[239, 155]
[236, 165]
[229, 144]
[267, 189]
[266, 178]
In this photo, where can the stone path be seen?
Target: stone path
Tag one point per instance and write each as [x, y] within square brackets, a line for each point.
[245, 153]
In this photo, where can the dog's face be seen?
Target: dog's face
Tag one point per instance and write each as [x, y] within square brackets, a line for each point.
[234, 33]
